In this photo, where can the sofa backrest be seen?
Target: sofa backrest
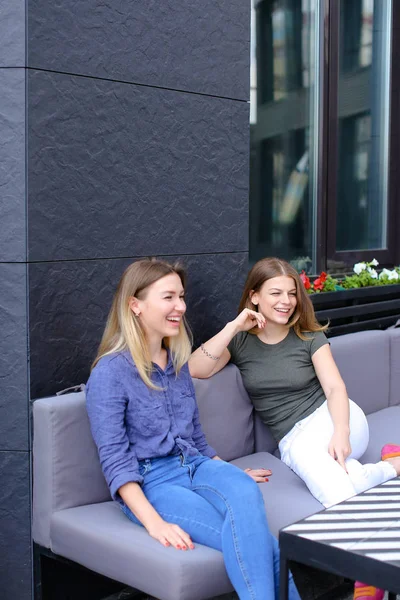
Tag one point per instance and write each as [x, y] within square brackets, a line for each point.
[66, 467]
[226, 413]
[394, 386]
[263, 439]
[369, 363]
[363, 359]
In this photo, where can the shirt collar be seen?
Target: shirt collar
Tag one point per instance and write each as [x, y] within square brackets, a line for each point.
[168, 369]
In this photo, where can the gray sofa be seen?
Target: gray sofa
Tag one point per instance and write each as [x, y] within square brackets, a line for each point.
[74, 517]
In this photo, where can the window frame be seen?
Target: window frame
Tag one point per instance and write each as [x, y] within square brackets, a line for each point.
[327, 153]
[328, 203]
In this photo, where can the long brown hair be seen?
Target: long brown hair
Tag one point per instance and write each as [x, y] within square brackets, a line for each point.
[303, 319]
[124, 331]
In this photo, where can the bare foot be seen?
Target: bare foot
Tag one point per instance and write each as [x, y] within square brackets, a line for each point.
[395, 462]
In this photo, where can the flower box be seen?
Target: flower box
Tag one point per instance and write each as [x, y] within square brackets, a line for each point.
[358, 309]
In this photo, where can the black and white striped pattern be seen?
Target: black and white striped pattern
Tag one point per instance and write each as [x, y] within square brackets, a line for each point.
[367, 524]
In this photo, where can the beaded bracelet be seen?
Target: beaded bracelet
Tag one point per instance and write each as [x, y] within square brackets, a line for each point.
[208, 354]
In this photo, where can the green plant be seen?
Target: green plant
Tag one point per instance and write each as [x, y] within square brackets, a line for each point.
[331, 284]
[365, 275]
[364, 279]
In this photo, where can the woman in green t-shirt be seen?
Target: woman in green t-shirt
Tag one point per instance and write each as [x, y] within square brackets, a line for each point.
[292, 379]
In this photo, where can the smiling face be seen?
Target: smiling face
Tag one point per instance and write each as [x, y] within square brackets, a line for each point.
[276, 299]
[161, 307]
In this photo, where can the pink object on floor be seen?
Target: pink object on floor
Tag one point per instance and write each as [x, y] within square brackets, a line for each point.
[367, 592]
[390, 451]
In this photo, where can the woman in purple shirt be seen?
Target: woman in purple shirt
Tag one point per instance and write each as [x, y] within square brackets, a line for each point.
[154, 455]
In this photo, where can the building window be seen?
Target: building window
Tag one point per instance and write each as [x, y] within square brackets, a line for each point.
[320, 131]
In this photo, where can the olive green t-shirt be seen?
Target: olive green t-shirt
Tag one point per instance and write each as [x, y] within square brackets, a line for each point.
[280, 378]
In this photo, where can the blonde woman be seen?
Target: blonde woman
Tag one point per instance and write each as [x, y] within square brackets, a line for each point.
[155, 458]
[296, 388]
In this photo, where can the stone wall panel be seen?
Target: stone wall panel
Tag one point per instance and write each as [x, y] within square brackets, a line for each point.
[12, 165]
[12, 33]
[15, 538]
[180, 44]
[119, 170]
[13, 358]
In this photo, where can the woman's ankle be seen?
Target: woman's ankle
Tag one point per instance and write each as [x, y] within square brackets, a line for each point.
[395, 462]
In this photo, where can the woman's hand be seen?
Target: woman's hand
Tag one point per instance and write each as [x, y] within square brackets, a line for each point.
[339, 447]
[259, 475]
[169, 534]
[248, 319]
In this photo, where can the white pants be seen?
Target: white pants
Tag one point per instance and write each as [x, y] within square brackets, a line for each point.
[305, 450]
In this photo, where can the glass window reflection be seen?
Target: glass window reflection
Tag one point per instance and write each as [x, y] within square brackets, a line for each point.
[363, 122]
[283, 125]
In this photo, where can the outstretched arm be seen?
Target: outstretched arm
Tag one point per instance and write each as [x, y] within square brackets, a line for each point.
[168, 534]
[213, 355]
[338, 403]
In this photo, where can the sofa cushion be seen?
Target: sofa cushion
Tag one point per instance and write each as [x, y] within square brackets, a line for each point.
[363, 361]
[66, 467]
[394, 394]
[286, 496]
[226, 413]
[384, 428]
[102, 538]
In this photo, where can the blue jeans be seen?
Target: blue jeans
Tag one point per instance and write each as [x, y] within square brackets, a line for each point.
[219, 506]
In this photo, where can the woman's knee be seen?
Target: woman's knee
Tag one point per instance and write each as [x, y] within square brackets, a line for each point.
[234, 483]
[247, 489]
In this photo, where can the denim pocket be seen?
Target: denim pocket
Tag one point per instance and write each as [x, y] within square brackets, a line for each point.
[144, 466]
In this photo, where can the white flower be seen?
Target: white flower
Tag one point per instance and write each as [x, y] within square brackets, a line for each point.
[391, 275]
[384, 273]
[373, 273]
[374, 263]
[359, 267]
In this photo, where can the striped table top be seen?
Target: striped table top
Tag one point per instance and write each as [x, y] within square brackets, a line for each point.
[367, 525]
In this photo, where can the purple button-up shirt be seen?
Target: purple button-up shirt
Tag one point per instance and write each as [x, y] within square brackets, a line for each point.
[131, 422]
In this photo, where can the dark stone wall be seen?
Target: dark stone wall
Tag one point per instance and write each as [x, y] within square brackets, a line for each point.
[15, 544]
[200, 47]
[138, 145]
[117, 169]
[123, 133]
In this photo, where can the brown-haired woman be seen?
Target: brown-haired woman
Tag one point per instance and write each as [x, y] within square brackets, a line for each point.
[295, 386]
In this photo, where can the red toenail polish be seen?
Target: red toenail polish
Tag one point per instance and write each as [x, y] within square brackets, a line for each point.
[266, 479]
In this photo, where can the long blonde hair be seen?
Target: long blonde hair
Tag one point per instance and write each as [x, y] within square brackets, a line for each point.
[124, 331]
[303, 319]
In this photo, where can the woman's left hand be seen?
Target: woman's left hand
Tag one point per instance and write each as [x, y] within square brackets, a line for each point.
[259, 475]
[339, 447]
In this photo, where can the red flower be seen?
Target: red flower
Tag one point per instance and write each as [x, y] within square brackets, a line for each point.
[319, 283]
[305, 280]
